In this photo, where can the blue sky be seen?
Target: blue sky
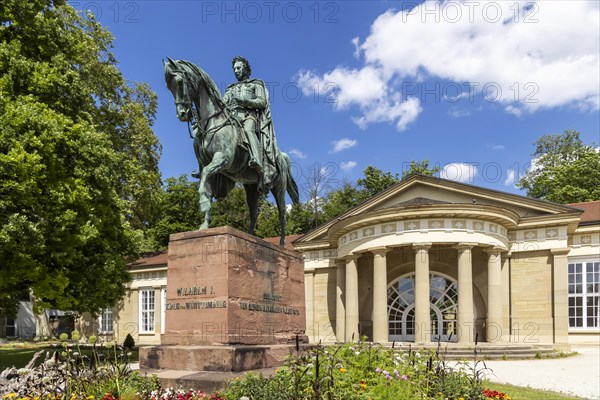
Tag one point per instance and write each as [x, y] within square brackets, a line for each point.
[468, 85]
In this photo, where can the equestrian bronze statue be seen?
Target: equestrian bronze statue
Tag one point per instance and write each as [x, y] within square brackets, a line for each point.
[233, 138]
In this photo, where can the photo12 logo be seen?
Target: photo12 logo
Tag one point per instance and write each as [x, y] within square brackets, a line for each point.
[254, 12]
[455, 11]
[117, 12]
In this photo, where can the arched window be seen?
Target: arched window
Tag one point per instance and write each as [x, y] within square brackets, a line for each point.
[443, 304]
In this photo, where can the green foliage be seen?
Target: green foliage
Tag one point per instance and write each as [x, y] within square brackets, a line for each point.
[299, 219]
[232, 211]
[74, 373]
[341, 200]
[78, 159]
[375, 181]
[564, 170]
[420, 167]
[362, 371]
[179, 211]
[128, 343]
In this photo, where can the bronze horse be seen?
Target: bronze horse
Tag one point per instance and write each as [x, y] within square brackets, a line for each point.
[217, 135]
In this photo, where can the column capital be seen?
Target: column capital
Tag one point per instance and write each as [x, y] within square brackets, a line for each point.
[422, 246]
[465, 245]
[340, 262]
[493, 250]
[379, 251]
[351, 257]
[561, 251]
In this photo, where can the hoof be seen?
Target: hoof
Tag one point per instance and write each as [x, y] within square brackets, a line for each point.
[203, 226]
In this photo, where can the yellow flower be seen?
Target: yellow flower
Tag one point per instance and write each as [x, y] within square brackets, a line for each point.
[9, 395]
[343, 370]
[89, 398]
[363, 385]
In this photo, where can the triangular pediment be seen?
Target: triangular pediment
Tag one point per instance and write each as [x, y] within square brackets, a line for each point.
[419, 190]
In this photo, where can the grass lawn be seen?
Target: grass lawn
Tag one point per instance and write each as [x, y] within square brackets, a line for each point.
[19, 357]
[523, 393]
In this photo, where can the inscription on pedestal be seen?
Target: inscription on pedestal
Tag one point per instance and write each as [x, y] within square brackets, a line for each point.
[227, 287]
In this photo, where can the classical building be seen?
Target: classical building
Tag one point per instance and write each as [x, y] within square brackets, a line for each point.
[431, 259]
[426, 260]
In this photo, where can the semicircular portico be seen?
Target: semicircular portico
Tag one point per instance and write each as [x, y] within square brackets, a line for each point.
[483, 225]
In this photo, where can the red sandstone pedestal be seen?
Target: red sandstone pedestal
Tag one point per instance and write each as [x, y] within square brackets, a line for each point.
[234, 302]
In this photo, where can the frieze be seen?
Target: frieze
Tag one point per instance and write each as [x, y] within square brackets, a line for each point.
[423, 225]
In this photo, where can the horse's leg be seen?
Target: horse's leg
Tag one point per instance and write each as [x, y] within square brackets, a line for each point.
[219, 161]
[252, 197]
[278, 192]
[207, 219]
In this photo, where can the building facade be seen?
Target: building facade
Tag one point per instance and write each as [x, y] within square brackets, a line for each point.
[431, 259]
[426, 260]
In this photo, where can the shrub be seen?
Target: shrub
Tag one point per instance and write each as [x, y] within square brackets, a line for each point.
[129, 343]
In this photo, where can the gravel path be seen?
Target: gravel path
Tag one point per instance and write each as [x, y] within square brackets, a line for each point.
[577, 375]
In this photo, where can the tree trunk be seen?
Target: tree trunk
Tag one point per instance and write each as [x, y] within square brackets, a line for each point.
[42, 324]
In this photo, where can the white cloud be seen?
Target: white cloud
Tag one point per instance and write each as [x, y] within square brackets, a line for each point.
[342, 144]
[496, 146]
[510, 178]
[297, 153]
[526, 55]
[457, 112]
[514, 110]
[346, 166]
[459, 172]
[367, 89]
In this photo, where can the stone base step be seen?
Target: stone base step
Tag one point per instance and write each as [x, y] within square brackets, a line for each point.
[210, 381]
[455, 351]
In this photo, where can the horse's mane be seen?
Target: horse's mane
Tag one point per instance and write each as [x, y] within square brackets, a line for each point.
[210, 85]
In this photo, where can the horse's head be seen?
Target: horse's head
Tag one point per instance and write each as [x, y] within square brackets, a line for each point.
[180, 86]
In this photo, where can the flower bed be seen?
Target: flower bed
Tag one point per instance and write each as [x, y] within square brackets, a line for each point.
[352, 371]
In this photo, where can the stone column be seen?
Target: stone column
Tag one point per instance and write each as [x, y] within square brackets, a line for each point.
[380, 311]
[351, 297]
[422, 313]
[340, 309]
[560, 296]
[494, 303]
[466, 320]
[309, 291]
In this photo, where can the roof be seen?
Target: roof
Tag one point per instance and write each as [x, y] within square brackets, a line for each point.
[289, 239]
[591, 211]
[533, 208]
[150, 259]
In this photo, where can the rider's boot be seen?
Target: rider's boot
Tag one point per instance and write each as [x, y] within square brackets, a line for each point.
[254, 148]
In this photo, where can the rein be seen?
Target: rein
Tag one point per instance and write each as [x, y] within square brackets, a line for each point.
[198, 122]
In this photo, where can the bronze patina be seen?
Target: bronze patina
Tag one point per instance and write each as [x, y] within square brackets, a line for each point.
[234, 139]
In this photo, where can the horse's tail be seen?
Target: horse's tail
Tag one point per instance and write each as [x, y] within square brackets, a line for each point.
[291, 186]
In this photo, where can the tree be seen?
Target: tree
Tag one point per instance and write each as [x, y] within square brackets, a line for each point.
[232, 210]
[422, 168]
[179, 211]
[78, 159]
[375, 181]
[564, 170]
[341, 200]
